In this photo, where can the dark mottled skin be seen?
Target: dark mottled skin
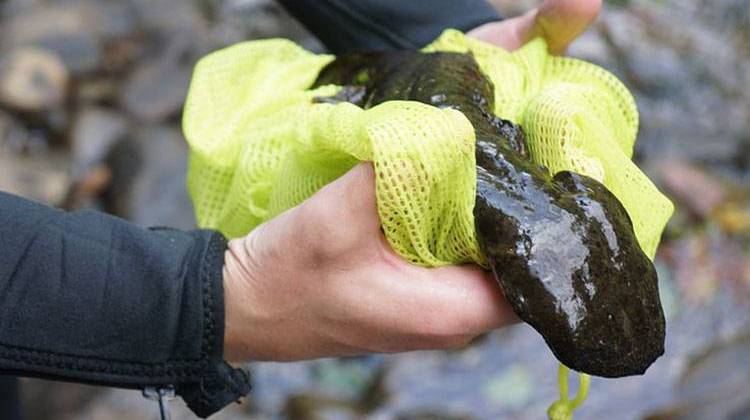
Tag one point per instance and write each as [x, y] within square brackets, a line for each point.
[562, 248]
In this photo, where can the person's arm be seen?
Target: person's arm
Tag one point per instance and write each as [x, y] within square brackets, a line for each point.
[366, 25]
[90, 298]
[362, 25]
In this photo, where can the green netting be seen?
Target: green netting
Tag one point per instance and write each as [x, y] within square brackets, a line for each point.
[259, 145]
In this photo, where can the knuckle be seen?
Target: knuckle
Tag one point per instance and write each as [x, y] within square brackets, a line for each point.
[329, 236]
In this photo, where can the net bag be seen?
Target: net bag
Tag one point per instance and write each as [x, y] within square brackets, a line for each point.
[260, 145]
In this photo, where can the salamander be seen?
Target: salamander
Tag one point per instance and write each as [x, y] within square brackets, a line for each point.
[561, 247]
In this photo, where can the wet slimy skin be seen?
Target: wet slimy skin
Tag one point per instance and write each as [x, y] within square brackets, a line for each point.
[561, 247]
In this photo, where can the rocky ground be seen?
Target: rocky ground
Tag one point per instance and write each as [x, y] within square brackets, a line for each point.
[90, 102]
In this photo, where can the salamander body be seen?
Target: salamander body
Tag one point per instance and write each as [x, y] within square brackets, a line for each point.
[561, 247]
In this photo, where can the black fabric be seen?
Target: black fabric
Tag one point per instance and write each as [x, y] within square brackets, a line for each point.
[88, 297]
[362, 25]
[10, 408]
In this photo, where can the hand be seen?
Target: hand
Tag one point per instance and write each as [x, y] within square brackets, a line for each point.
[559, 22]
[321, 280]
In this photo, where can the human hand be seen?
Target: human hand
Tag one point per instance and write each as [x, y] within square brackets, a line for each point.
[320, 280]
[559, 22]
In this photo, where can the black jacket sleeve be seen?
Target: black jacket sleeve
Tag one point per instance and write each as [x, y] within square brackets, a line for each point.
[90, 298]
[369, 25]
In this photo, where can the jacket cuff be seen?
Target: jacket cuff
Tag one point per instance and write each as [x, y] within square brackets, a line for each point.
[220, 384]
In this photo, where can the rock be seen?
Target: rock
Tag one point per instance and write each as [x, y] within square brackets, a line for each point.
[591, 47]
[238, 20]
[79, 52]
[32, 79]
[96, 91]
[95, 132]
[698, 191]
[428, 415]
[315, 407]
[148, 186]
[169, 15]
[714, 386]
[5, 126]
[734, 218]
[130, 405]
[84, 192]
[695, 269]
[40, 177]
[13, 135]
[115, 19]
[676, 59]
[69, 30]
[510, 374]
[157, 89]
[512, 388]
[39, 398]
[121, 55]
[733, 266]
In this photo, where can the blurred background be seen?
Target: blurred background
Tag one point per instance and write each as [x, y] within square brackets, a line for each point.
[90, 102]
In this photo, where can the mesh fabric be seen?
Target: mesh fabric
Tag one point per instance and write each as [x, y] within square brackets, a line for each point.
[260, 145]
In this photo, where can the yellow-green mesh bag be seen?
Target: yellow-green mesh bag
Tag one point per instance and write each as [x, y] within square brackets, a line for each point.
[259, 145]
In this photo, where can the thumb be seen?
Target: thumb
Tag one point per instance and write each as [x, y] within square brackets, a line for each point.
[559, 22]
[562, 21]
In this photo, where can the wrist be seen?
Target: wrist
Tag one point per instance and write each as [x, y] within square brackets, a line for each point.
[235, 303]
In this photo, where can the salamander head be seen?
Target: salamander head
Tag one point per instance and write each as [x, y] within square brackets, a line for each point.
[579, 277]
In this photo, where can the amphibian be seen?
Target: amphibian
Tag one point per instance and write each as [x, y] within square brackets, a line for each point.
[561, 247]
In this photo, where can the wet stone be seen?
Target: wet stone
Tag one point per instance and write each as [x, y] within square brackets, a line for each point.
[166, 15]
[714, 385]
[116, 19]
[96, 90]
[14, 136]
[5, 126]
[95, 132]
[239, 20]
[32, 79]
[148, 178]
[695, 189]
[123, 404]
[67, 30]
[676, 58]
[40, 177]
[157, 89]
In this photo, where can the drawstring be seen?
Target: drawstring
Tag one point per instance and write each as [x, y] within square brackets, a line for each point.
[162, 396]
[563, 408]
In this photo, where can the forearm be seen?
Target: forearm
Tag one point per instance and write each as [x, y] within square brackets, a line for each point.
[346, 25]
[88, 297]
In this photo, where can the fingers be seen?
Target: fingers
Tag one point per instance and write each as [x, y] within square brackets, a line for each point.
[428, 307]
[473, 297]
[454, 302]
[509, 34]
[559, 22]
[562, 21]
